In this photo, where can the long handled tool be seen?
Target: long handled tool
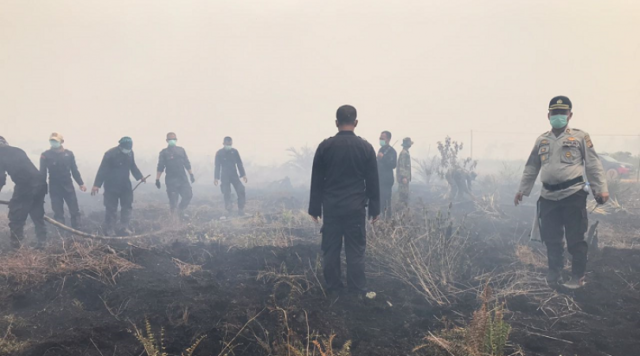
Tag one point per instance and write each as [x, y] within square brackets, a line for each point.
[92, 236]
[140, 182]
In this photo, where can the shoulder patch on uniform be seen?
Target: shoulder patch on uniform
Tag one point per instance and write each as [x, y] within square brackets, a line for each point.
[587, 139]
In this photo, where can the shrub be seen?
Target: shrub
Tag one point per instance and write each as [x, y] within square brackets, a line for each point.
[428, 255]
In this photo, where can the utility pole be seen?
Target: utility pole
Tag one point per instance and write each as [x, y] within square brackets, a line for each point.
[471, 144]
[638, 166]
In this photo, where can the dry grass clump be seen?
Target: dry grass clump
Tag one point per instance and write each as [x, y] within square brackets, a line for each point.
[325, 347]
[94, 260]
[529, 257]
[283, 229]
[186, 269]
[285, 341]
[9, 344]
[26, 266]
[522, 282]
[155, 347]
[292, 284]
[486, 334]
[488, 206]
[430, 255]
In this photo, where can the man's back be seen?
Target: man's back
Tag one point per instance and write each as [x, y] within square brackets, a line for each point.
[17, 164]
[345, 177]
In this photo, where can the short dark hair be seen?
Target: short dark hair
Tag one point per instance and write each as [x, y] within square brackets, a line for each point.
[228, 138]
[346, 115]
[388, 134]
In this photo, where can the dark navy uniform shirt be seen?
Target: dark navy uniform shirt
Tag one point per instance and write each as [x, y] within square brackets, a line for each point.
[114, 170]
[61, 165]
[345, 177]
[228, 164]
[174, 159]
[16, 163]
[386, 164]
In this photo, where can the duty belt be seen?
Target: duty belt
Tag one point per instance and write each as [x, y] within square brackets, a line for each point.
[563, 185]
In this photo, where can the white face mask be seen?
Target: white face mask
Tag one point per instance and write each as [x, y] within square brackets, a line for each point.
[125, 150]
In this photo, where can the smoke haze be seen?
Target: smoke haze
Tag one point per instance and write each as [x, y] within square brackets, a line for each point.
[271, 74]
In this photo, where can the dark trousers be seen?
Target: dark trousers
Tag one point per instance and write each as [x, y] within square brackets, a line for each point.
[59, 194]
[225, 186]
[179, 191]
[565, 218]
[385, 199]
[352, 230]
[111, 200]
[27, 200]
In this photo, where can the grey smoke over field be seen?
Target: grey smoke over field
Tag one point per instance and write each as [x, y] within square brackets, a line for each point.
[272, 73]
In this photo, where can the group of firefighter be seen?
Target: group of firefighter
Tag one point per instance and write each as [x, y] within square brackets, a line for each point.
[118, 164]
[58, 164]
[349, 182]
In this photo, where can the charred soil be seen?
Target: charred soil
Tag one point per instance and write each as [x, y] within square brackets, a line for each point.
[254, 298]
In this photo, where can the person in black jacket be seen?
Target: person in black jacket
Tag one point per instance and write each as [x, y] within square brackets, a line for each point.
[114, 171]
[387, 161]
[174, 159]
[344, 181]
[28, 193]
[228, 164]
[60, 164]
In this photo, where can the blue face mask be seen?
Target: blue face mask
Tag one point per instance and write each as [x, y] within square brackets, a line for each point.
[54, 144]
[383, 143]
[228, 147]
[125, 150]
[558, 121]
[172, 142]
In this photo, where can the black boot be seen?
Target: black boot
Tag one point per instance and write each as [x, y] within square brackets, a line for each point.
[554, 276]
[15, 240]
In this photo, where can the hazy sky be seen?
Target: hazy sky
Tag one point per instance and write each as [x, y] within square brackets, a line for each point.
[272, 73]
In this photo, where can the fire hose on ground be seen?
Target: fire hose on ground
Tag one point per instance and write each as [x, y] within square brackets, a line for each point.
[92, 236]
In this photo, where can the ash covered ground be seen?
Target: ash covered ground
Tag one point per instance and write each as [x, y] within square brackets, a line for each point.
[253, 285]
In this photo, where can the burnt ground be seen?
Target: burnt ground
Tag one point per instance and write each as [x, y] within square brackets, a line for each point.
[244, 313]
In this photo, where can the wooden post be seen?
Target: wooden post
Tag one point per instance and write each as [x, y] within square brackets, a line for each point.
[471, 144]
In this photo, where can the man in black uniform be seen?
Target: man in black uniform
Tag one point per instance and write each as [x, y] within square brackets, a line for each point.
[28, 193]
[228, 164]
[343, 182]
[175, 160]
[387, 160]
[61, 165]
[114, 171]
